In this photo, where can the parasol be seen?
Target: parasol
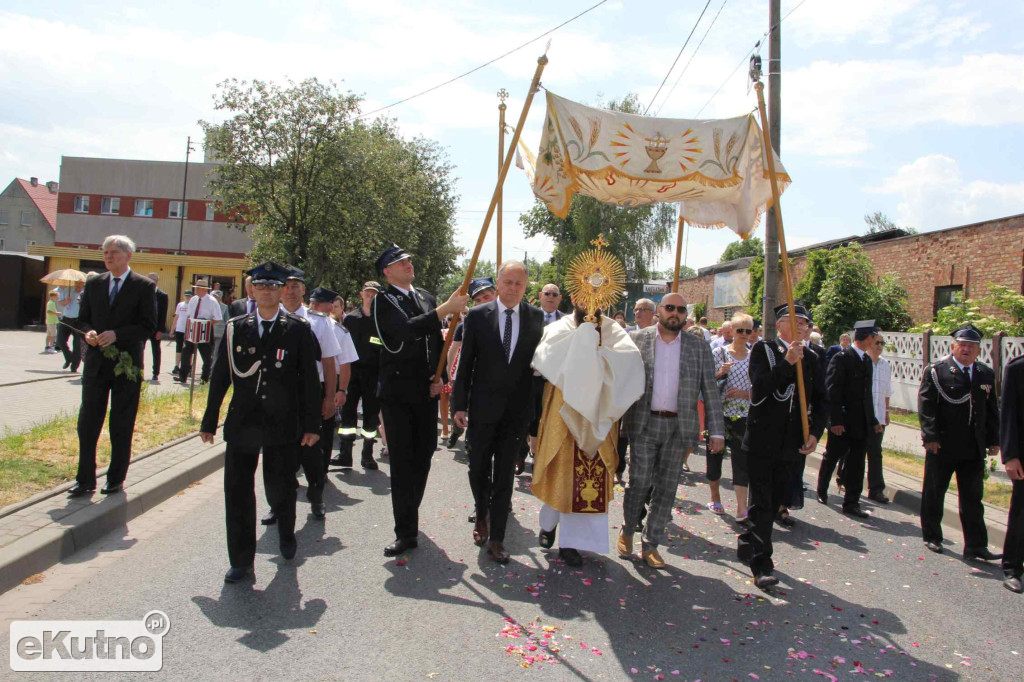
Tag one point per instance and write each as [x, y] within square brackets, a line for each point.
[67, 277]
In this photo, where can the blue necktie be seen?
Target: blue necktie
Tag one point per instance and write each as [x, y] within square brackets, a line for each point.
[506, 341]
[113, 292]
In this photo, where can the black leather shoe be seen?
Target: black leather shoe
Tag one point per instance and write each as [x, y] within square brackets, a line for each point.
[571, 557]
[237, 574]
[111, 488]
[319, 510]
[547, 538]
[823, 498]
[765, 580]
[880, 498]
[785, 519]
[856, 512]
[400, 545]
[934, 546]
[79, 490]
[981, 555]
[269, 520]
[288, 547]
[367, 461]
[498, 552]
[1012, 583]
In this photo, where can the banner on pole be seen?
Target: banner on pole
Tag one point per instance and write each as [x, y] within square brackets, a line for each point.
[715, 169]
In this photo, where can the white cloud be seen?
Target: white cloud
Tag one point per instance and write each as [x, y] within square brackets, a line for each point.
[936, 195]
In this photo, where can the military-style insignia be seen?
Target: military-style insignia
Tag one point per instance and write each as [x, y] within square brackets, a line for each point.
[277, 364]
[987, 387]
[238, 349]
[252, 351]
[280, 355]
[952, 370]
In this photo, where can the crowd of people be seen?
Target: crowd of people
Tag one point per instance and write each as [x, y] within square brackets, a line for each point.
[594, 400]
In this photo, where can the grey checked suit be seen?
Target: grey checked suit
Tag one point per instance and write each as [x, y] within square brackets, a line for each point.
[658, 442]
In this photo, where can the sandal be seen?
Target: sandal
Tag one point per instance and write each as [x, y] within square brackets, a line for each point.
[686, 467]
[717, 507]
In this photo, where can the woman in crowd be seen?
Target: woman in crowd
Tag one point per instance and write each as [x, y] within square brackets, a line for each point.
[732, 365]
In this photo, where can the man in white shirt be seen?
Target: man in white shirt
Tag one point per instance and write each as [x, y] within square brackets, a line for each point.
[202, 306]
[180, 319]
[321, 302]
[726, 338]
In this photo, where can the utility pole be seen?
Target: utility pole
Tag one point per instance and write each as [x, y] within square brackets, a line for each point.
[181, 225]
[771, 234]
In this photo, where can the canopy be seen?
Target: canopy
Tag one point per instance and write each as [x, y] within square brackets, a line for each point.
[714, 168]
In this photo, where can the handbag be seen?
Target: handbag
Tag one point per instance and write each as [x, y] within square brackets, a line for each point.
[724, 380]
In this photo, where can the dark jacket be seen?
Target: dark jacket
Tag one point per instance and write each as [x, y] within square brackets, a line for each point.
[1011, 416]
[965, 430]
[831, 352]
[364, 336]
[132, 318]
[276, 404]
[238, 307]
[161, 310]
[411, 341]
[774, 427]
[493, 389]
[848, 383]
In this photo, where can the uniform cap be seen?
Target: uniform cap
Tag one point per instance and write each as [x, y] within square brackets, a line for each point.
[391, 255]
[268, 273]
[968, 332]
[798, 310]
[863, 329]
[479, 285]
[322, 295]
[295, 274]
[372, 285]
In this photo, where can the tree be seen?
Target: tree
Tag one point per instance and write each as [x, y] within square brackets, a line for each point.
[892, 313]
[636, 235]
[325, 191]
[808, 289]
[879, 222]
[742, 249]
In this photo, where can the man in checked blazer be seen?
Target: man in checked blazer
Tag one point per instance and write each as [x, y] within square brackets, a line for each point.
[664, 422]
[118, 308]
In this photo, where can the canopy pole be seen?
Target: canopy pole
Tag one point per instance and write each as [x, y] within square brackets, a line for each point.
[770, 157]
[679, 253]
[502, 95]
[534, 86]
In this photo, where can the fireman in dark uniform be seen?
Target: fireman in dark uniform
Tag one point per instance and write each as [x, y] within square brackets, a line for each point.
[270, 359]
[362, 385]
[408, 324]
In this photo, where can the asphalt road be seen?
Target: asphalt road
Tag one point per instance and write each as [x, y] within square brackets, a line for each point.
[854, 597]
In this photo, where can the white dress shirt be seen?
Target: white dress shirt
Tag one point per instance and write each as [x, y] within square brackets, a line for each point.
[501, 325]
[321, 327]
[881, 388]
[260, 320]
[348, 352]
[965, 368]
[205, 308]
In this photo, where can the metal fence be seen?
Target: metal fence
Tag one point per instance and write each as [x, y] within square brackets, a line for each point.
[909, 353]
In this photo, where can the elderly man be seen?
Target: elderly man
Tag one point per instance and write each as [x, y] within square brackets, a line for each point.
[664, 422]
[959, 417]
[118, 308]
[244, 306]
[726, 336]
[550, 298]
[201, 306]
[495, 385]
[643, 314]
[832, 351]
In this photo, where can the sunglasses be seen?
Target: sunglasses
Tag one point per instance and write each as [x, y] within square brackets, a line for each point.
[880, 343]
[550, 293]
[671, 308]
[743, 331]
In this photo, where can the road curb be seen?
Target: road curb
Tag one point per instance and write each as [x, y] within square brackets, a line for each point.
[51, 544]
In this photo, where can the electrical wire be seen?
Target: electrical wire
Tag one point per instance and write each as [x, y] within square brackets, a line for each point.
[485, 64]
[712, 25]
[676, 61]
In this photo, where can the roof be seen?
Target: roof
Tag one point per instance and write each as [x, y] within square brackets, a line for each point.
[44, 199]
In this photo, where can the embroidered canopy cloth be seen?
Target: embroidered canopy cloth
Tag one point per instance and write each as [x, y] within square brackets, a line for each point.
[714, 168]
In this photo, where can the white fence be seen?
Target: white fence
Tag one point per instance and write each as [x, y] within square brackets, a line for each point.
[905, 353]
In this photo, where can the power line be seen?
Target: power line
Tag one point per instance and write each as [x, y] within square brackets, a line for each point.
[474, 70]
[712, 25]
[676, 61]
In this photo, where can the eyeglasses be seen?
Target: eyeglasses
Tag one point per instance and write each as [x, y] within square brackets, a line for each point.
[880, 344]
[550, 293]
[264, 286]
[743, 331]
[643, 310]
[671, 307]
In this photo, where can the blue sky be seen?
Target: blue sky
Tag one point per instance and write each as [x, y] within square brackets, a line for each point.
[914, 108]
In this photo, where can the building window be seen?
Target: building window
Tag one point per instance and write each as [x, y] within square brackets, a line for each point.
[3, 216]
[947, 296]
[174, 209]
[209, 211]
[144, 208]
[110, 205]
[82, 203]
[26, 219]
[1, 244]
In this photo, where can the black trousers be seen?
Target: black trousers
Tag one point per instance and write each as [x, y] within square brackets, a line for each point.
[154, 346]
[412, 439]
[970, 483]
[123, 395]
[769, 480]
[240, 496]
[1013, 547]
[853, 451]
[73, 356]
[494, 449]
[876, 479]
[326, 442]
[187, 354]
[362, 385]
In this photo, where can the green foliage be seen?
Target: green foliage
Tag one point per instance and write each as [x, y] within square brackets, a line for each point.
[124, 364]
[891, 311]
[700, 310]
[755, 297]
[325, 191]
[1009, 303]
[879, 222]
[808, 289]
[741, 249]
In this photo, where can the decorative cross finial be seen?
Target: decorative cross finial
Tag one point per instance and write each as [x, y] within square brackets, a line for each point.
[503, 95]
[600, 242]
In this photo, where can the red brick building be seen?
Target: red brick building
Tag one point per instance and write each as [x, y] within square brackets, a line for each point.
[935, 267]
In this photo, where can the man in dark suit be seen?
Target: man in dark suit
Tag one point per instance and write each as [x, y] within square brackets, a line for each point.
[362, 385]
[774, 439]
[959, 417]
[409, 326]
[118, 308]
[851, 405]
[495, 384]
[270, 359]
[1011, 442]
[832, 351]
[244, 306]
[161, 325]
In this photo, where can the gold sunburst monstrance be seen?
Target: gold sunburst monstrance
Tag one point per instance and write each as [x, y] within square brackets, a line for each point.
[596, 279]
